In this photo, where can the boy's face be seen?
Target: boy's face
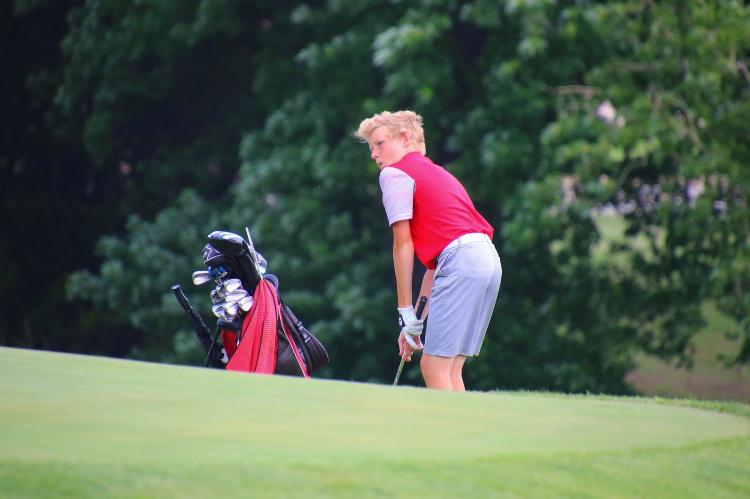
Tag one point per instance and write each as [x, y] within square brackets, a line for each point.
[387, 149]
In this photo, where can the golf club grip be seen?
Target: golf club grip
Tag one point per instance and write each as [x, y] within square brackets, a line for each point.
[420, 306]
[198, 323]
[181, 298]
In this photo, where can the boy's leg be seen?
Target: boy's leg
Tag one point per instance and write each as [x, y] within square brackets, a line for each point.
[436, 371]
[456, 373]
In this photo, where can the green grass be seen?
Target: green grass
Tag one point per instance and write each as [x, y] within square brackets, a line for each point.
[76, 426]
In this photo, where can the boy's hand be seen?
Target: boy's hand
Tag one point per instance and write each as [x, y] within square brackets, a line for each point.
[411, 329]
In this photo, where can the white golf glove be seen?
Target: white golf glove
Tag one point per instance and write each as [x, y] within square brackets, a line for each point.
[410, 326]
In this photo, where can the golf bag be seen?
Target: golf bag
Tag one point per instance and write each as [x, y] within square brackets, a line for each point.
[255, 331]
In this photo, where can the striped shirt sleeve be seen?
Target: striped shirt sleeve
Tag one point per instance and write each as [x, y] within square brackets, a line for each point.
[398, 194]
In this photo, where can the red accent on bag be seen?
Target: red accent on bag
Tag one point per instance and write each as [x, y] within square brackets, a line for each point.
[288, 335]
[259, 342]
[229, 340]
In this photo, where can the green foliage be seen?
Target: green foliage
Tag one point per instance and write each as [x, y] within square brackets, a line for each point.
[48, 198]
[667, 132]
[133, 283]
[551, 113]
[161, 90]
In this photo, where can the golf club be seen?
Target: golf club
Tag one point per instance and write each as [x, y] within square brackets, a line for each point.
[201, 277]
[219, 310]
[200, 327]
[245, 303]
[231, 309]
[253, 256]
[420, 308]
[232, 285]
[235, 295]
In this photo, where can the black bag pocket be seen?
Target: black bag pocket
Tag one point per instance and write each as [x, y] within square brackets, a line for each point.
[286, 362]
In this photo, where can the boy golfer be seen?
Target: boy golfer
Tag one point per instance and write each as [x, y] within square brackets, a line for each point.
[431, 214]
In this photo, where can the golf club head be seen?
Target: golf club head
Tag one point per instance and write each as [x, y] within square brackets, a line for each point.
[231, 309]
[245, 303]
[201, 277]
[215, 297]
[219, 265]
[227, 242]
[232, 285]
[235, 295]
[219, 310]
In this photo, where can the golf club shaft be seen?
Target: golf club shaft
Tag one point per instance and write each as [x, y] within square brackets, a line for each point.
[210, 351]
[198, 324]
[420, 308]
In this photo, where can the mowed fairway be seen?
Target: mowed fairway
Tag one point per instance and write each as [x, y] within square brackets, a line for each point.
[76, 426]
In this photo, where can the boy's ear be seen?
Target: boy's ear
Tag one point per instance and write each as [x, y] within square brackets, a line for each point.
[405, 138]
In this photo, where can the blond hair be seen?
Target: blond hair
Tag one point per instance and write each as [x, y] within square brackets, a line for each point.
[400, 121]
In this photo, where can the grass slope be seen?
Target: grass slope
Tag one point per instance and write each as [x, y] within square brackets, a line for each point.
[75, 426]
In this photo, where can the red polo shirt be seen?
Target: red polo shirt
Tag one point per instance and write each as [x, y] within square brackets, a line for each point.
[442, 211]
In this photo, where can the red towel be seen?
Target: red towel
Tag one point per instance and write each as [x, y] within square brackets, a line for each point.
[257, 350]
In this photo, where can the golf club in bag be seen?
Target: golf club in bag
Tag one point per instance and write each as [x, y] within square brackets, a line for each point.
[255, 330]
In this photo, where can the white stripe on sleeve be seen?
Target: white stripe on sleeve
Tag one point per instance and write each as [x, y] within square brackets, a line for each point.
[398, 194]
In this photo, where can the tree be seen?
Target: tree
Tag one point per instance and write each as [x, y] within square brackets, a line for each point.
[552, 113]
[48, 202]
[671, 126]
[113, 109]
[159, 92]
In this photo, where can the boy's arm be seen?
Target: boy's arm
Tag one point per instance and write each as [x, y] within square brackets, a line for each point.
[403, 261]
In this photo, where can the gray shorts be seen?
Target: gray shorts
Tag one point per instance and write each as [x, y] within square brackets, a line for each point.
[467, 280]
